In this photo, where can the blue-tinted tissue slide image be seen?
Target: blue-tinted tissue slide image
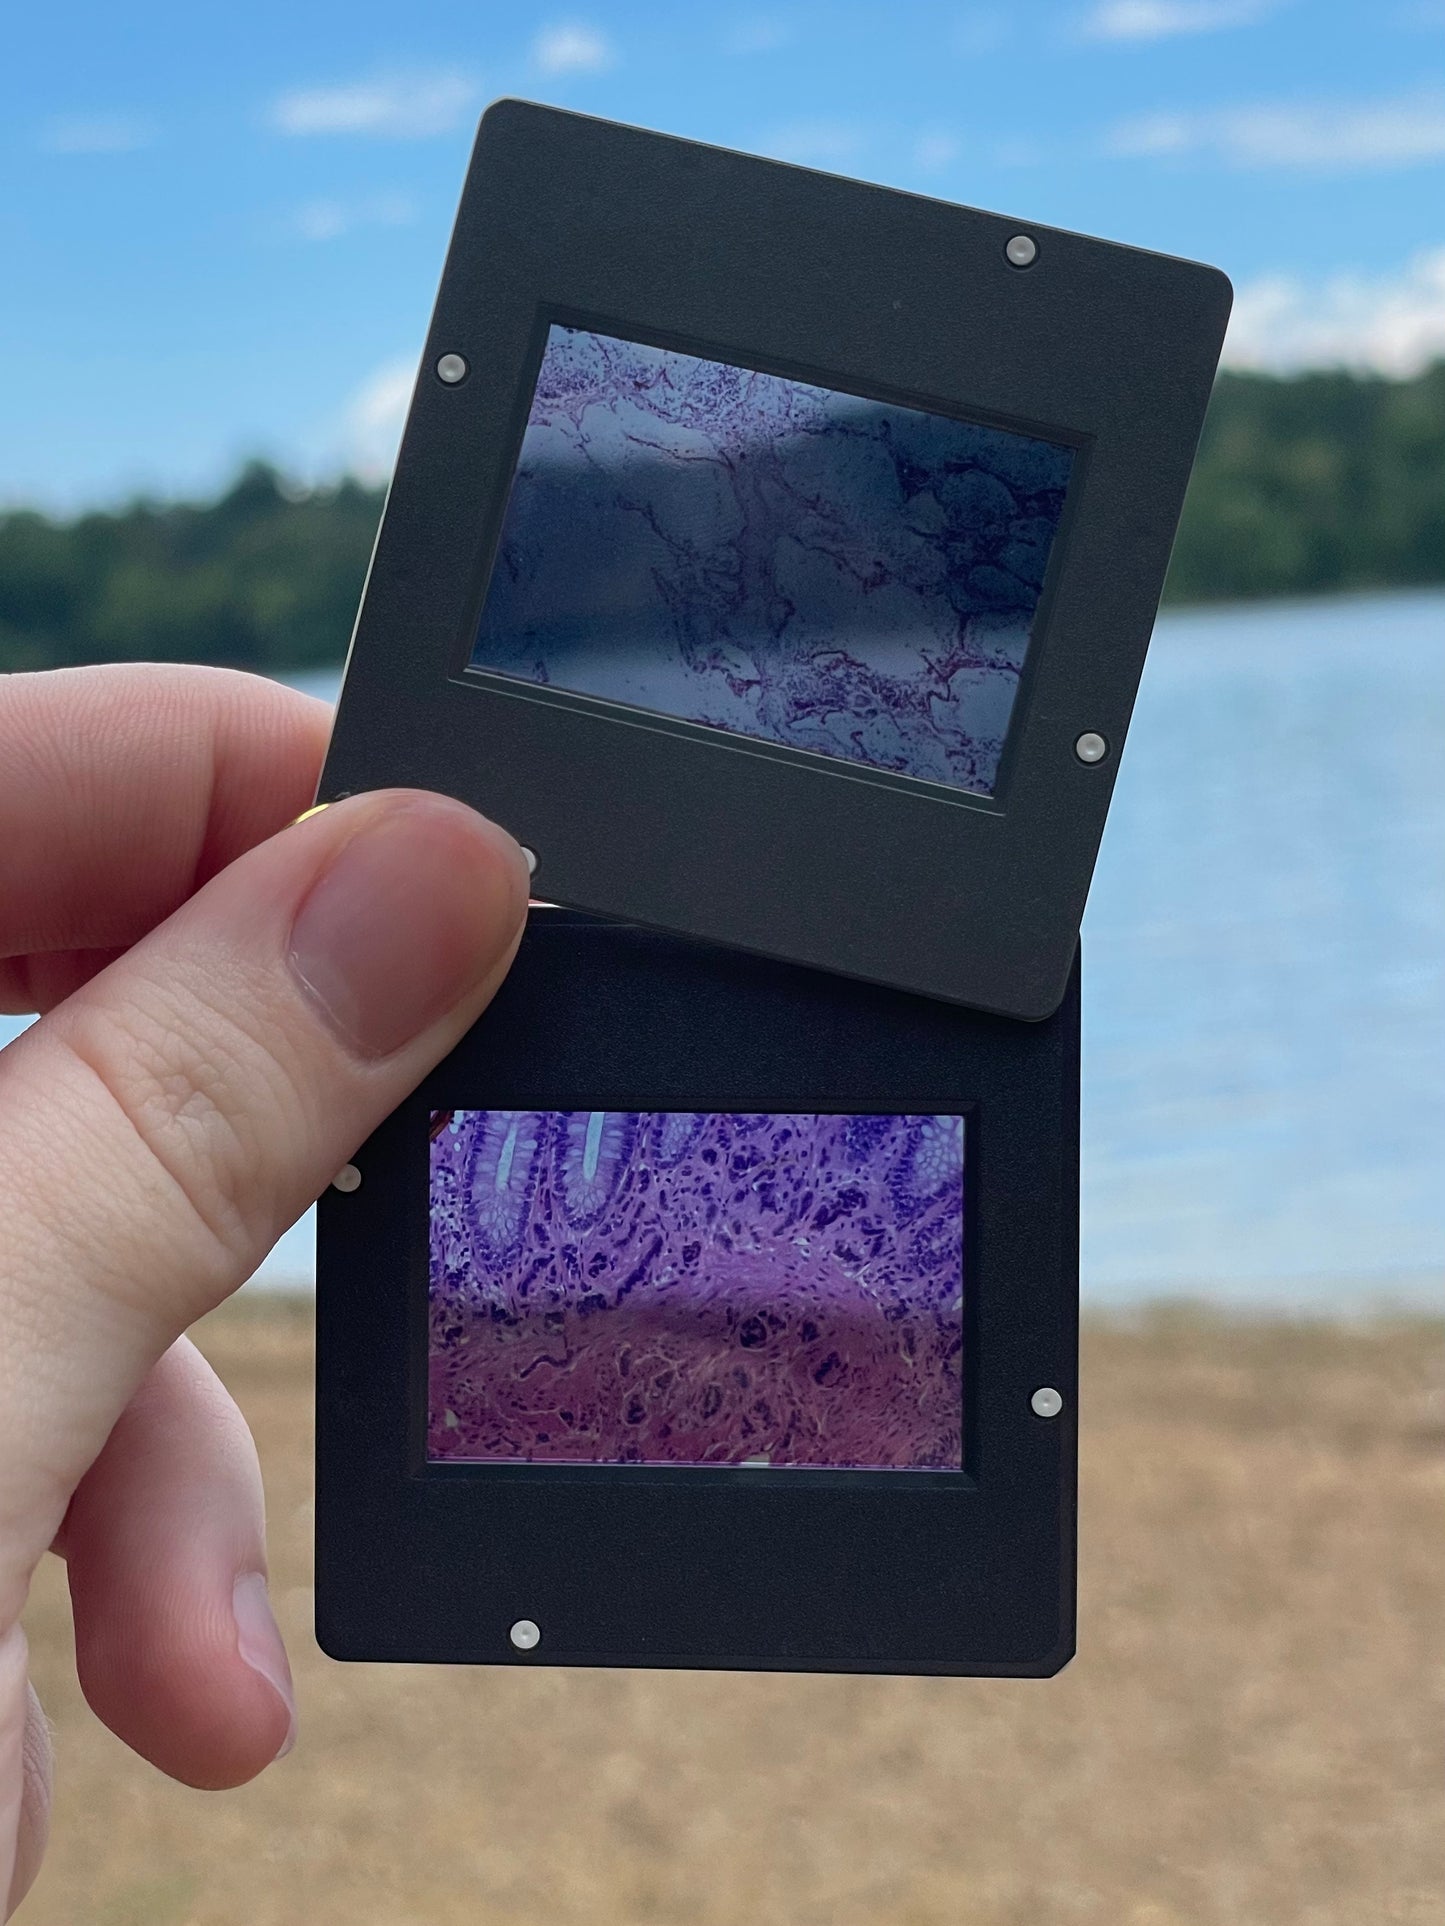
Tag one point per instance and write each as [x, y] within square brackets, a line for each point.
[773, 559]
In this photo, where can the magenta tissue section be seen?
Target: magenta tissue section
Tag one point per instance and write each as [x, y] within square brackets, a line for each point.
[665, 1288]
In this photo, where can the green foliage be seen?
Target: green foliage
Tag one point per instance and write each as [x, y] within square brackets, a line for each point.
[1320, 482]
[263, 578]
[1303, 485]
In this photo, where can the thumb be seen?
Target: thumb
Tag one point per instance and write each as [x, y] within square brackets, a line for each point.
[162, 1127]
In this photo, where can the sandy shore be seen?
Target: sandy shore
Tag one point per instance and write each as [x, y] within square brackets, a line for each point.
[1253, 1735]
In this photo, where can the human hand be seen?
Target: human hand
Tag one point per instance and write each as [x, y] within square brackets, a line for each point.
[226, 1013]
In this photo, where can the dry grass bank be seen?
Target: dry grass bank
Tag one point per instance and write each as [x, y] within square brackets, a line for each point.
[1253, 1735]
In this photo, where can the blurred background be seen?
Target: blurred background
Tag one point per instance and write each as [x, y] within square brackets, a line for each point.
[221, 231]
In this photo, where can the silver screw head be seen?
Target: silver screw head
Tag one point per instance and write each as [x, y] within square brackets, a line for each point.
[525, 1635]
[1022, 250]
[451, 369]
[1046, 1402]
[1091, 747]
[348, 1178]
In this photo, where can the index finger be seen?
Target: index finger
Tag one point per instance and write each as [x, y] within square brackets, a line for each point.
[124, 788]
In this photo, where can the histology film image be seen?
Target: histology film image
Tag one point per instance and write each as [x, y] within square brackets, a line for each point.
[773, 559]
[614, 1287]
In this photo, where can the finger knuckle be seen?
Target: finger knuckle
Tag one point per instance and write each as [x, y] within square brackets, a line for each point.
[198, 1099]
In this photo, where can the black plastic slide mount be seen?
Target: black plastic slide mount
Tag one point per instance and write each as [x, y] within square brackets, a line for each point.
[974, 899]
[903, 1571]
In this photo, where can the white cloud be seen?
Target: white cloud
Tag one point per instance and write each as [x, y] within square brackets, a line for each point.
[1392, 323]
[1146, 136]
[764, 33]
[813, 143]
[328, 220]
[395, 107]
[373, 419]
[96, 134]
[1324, 137]
[1167, 19]
[933, 152]
[572, 48]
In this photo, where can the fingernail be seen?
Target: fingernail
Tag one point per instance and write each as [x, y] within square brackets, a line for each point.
[415, 910]
[258, 1640]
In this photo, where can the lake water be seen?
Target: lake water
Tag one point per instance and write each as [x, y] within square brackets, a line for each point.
[1264, 959]
[1264, 1077]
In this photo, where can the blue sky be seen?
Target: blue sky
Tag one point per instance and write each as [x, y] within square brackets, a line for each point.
[222, 226]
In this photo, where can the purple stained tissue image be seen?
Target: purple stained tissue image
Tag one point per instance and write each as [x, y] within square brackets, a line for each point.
[774, 559]
[617, 1287]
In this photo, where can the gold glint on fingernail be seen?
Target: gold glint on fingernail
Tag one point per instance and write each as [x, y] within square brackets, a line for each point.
[307, 814]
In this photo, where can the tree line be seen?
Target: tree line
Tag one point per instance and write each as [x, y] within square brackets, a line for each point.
[1304, 485]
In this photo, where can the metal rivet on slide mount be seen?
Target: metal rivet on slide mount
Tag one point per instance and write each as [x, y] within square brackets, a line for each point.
[1046, 1402]
[1022, 250]
[451, 369]
[1091, 747]
[348, 1178]
[525, 1635]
